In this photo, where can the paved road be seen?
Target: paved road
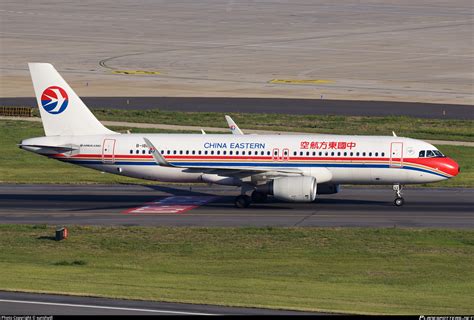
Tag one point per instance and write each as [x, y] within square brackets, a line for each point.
[269, 105]
[111, 205]
[17, 303]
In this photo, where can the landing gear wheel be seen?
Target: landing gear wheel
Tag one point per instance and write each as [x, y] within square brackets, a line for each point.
[242, 201]
[399, 202]
[259, 197]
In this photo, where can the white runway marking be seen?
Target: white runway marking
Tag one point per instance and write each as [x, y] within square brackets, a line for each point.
[175, 204]
[105, 307]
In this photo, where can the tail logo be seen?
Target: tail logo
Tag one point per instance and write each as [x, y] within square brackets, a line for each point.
[54, 100]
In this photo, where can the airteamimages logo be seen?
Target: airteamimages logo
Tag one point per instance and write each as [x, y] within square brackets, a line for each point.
[54, 100]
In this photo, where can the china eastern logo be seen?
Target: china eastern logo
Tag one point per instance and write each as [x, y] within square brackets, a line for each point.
[54, 100]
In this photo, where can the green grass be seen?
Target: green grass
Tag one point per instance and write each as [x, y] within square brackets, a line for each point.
[434, 129]
[19, 166]
[333, 269]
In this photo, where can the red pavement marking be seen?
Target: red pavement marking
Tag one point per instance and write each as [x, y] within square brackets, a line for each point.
[174, 204]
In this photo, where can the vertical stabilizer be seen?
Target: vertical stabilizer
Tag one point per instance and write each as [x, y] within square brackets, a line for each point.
[62, 111]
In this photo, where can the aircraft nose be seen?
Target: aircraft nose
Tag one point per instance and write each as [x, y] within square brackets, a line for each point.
[450, 167]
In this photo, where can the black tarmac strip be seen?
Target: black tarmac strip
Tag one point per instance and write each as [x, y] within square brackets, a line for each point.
[351, 207]
[18, 303]
[273, 105]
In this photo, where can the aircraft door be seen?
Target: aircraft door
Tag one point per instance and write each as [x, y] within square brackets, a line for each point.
[396, 154]
[108, 151]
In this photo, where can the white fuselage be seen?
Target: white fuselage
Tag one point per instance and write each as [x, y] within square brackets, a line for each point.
[335, 159]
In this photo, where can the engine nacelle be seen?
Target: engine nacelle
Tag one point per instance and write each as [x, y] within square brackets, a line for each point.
[328, 188]
[292, 189]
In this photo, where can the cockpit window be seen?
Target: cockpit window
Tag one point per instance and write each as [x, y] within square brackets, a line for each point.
[430, 154]
[438, 153]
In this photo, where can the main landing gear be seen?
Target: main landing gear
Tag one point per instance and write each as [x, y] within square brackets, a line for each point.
[244, 201]
[399, 201]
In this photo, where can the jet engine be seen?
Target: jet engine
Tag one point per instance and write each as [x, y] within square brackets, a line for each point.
[292, 189]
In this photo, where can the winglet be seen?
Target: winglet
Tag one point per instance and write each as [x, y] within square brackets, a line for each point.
[394, 134]
[202, 131]
[159, 159]
[233, 126]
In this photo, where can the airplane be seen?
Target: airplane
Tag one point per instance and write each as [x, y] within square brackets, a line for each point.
[294, 168]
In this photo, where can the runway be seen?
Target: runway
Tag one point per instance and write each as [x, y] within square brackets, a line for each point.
[162, 205]
[272, 105]
[18, 303]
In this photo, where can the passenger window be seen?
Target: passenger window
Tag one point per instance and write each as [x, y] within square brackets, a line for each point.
[370, 154]
[363, 154]
[268, 153]
[131, 151]
[199, 152]
[301, 153]
[383, 154]
[212, 151]
[294, 153]
[262, 153]
[224, 152]
[187, 151]
[230, 152]
[320, 153]
[218, 152]
[352, 153]
[307, 153]
[286, 152]
[137, 152]
[314, 153]
[345, 154]
[180, 151]
[338, 154]
[205, 152]
[326, 153]
[421, 154]
[194, 152]
[237, 152]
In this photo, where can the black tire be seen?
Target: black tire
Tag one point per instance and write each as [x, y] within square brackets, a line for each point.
[242, 201]
[399, 202]
[259, 197]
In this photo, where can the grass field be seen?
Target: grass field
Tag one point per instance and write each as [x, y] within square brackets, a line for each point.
[340, 269]
[434, 129]
[431, 129]
[19, 166]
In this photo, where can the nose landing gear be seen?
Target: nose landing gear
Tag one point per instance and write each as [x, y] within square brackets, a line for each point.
[399, 201]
